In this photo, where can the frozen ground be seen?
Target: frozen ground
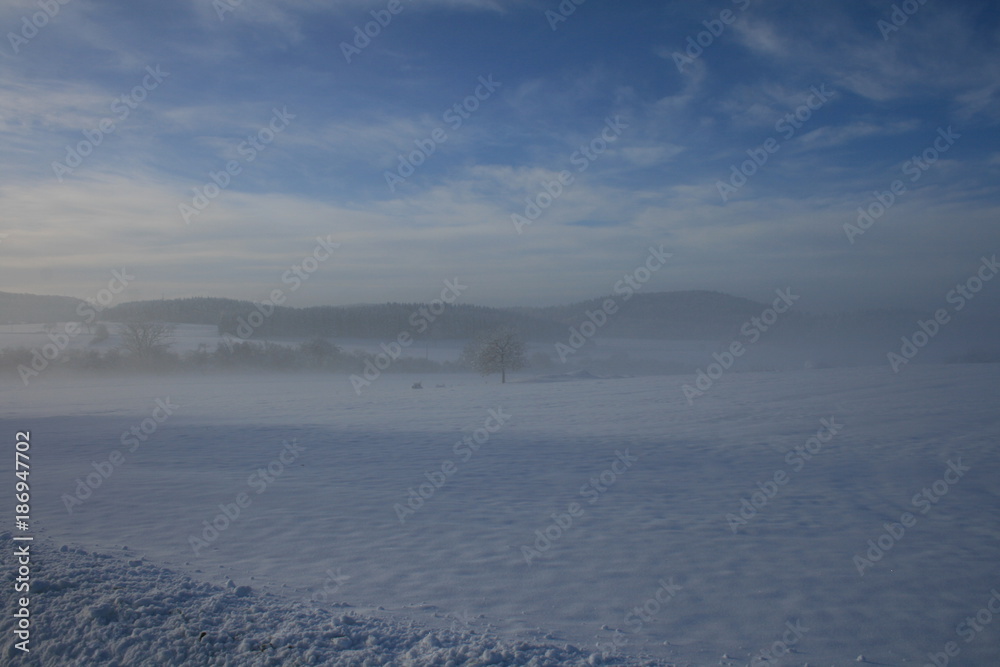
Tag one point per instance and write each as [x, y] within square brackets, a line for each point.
[116, 610]
[645, 563]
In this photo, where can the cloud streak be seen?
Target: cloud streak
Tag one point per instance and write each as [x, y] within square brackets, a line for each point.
[325, 174]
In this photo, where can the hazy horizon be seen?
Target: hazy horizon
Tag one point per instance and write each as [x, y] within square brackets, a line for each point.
[597, 297]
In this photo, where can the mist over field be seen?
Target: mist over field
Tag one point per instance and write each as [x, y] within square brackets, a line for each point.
[499, 332]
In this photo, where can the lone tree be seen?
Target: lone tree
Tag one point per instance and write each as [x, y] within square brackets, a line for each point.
[498, 352]
[145, 340]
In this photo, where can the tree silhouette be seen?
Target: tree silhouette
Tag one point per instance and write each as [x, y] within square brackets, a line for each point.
[145, 340]
[497, 352]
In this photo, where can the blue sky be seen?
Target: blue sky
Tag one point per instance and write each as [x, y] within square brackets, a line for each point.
[593, 109]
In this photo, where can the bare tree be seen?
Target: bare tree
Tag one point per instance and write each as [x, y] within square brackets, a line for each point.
[144, 340]
[497, 352]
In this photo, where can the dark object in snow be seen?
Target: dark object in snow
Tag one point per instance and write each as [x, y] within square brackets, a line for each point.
[417, 385]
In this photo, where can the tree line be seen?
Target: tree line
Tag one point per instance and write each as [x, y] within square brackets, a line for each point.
[146, 346]
[368, 321]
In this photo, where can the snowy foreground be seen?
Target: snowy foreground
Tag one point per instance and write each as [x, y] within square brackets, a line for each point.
[806, 517]
[104, 609]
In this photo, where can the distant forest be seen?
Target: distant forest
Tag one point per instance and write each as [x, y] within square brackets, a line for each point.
[689, 315]
[261, 336]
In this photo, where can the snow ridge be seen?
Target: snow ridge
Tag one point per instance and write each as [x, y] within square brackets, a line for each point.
[113, 610]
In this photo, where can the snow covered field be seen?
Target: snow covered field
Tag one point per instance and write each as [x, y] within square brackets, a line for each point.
[401, 526]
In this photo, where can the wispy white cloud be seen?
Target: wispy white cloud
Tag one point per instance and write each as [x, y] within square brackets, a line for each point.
[324, 175]
[829, 136]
